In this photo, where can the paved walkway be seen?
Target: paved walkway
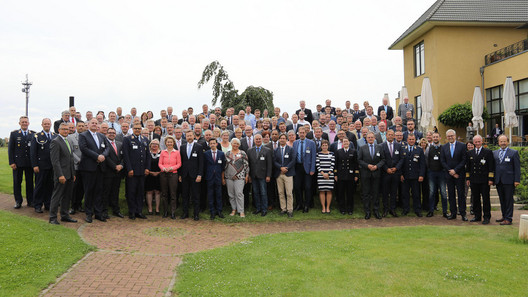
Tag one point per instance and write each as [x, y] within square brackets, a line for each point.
[139, 258]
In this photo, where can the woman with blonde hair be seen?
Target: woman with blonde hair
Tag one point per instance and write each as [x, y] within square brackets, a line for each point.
[152, 181]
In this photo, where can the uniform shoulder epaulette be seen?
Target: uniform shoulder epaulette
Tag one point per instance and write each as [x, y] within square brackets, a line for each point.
[36, 135]
[31, 131]
[16, 130]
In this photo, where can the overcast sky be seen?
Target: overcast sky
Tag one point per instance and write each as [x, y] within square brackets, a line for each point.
[152, 54]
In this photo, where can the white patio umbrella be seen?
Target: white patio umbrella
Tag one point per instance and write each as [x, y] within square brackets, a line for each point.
[508, 98]
[477, 108]
[426, 98]
[403, 94]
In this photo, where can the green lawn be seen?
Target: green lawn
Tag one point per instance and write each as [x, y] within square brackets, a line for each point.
[6, 174]
[34, 253]
[399, 261]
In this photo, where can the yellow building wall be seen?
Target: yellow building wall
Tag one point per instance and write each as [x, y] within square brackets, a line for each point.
[516, 67]
[453, 58]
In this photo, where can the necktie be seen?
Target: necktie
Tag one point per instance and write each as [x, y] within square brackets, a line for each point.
[24, 133]
[478, 152]
[214, 157]
[249, 142]
[282, 155]
[67, 144]
[501, 155]
[258, 150]
[96, 139]
[372, 151]
[390, 148]
[189, 149]
[274, 146]
[114, 146]
[112, 125]
[452, 149]
[410, 149]
[48, 135]
[318, 143]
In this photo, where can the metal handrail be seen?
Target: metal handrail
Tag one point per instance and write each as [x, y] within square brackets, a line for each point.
[506, 52]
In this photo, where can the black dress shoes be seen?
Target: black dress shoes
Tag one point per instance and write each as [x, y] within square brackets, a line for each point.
[118, 214]
[88, 219]
[475, 219]
[173, 216]
[100, 218]
[196, 217]
[385, 213]
[429, 214]
[367, 216]
[485, 222]
[343, 213]
[349, 213]
[256, 212]
[141, 216]
[106, 216]
[393, 213]
[451, 217]
[69, 220]
[404, 213]
[17, 206]
[54, 222]
[165, 214]
[464, 218]
[184, 216]
[38, 210]
[377, 215]
[212, 217]
[499, 220]
[264, 213]
[418, 214]
[131, 216]
[220, 215]
[72, 211]
[445, 215]
[290, 215]
[306, 209]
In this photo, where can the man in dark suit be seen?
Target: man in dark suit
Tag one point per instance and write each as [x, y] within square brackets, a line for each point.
[386, 107]
[94, 151]
[307, 112]
[284, 163]
[391, 172]
[411, 130]
[480, 165]
[453, 158]
[413, 172]
[304, 170]
[357, 113]
[346, 176]
[63, 176]
[78, 190]
[113, 174]
[507, 177]
[191, 174]
[371, 161]
[136, 159]
[42, 167]
[18, 151]
[295, 126]
[214, 161]
[496, 132]
[65, 118]
[260, 166]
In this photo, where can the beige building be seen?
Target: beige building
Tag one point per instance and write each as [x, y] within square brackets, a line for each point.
[460, 44]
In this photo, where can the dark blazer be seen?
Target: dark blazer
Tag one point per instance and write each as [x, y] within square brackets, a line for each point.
[333, 147]
[347, 166]
[351, 137]
[193, 166]
[507, 172]
[289, 160]
[136, 155]
[390, 112]
[290, 127]
[457, 162]
[413, 163]
[19, 148]
[397, 156]
[62, 159]
[153, 135]
[308, 115]
[480, 168]
[261, 164]
[40, 150]
[244, 144]
[214, 169]
[309, 154]
[418, 134]
[113, 160]
[357, 115]
[364, 159]
[90, 151]
[56, 125]
[310, 135]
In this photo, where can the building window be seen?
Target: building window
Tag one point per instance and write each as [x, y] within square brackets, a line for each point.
[496, 107]
[418, 111]
[419, 59]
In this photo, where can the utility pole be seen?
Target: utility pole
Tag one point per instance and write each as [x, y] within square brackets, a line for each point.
[27, 84]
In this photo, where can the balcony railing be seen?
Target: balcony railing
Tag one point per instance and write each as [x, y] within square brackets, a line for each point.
[506, 52]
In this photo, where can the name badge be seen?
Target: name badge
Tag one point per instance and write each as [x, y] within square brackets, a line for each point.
[134, 147]
[397, 152]
[435, 158]
[507, 159]
[286, 156]
[219, 161]
[262, 158]
[415, 160]
[307, 151]
[29, 143]
[194, 155]
[483, 161]
[102, 145]
[378, 154]
[238, 155]
[351, 171]
[75, 147]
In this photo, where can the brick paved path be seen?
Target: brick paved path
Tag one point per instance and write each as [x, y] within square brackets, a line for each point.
[139, 258]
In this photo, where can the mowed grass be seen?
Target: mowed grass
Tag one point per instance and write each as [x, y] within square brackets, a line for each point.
[34, 253]
[398, 261]
[6, 174]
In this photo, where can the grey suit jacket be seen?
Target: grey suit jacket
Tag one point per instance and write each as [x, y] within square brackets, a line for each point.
[73, 139]
[402, 110]
[62, 159]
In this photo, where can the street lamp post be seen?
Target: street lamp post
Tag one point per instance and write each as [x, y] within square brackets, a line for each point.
[27, 84]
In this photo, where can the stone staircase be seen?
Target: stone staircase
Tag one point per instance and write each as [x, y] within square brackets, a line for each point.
[494, 198]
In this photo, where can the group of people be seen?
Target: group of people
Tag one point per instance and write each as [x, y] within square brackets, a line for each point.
[281, 162]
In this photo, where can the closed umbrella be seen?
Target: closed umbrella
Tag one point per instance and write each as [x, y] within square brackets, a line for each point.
[477, 108]
[403, 94]
[508, 98]
[426, 98]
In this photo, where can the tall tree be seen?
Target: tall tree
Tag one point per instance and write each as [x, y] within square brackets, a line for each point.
[256, 97]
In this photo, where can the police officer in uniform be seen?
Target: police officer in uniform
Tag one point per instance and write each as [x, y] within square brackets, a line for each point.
[346, 175]
[42, 167]
[18, 151]
[479, 176]
[413, 172]
[136, 156]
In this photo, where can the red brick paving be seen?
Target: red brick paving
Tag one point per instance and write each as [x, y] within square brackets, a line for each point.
[139, 258]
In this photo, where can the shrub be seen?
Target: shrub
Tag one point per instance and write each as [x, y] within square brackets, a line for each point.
[459, 115]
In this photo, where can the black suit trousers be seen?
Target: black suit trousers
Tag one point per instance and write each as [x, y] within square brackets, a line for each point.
[506, 200]
[190, 190]
[17, 184]
[302, 183]
[456, 186]
[414, 186]
[111, 185]
[345, 190]
[389, 190]
[370, 193]
[93, 188]
[135, 193]
[481, 190]
[43, 188]
[78, 191]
